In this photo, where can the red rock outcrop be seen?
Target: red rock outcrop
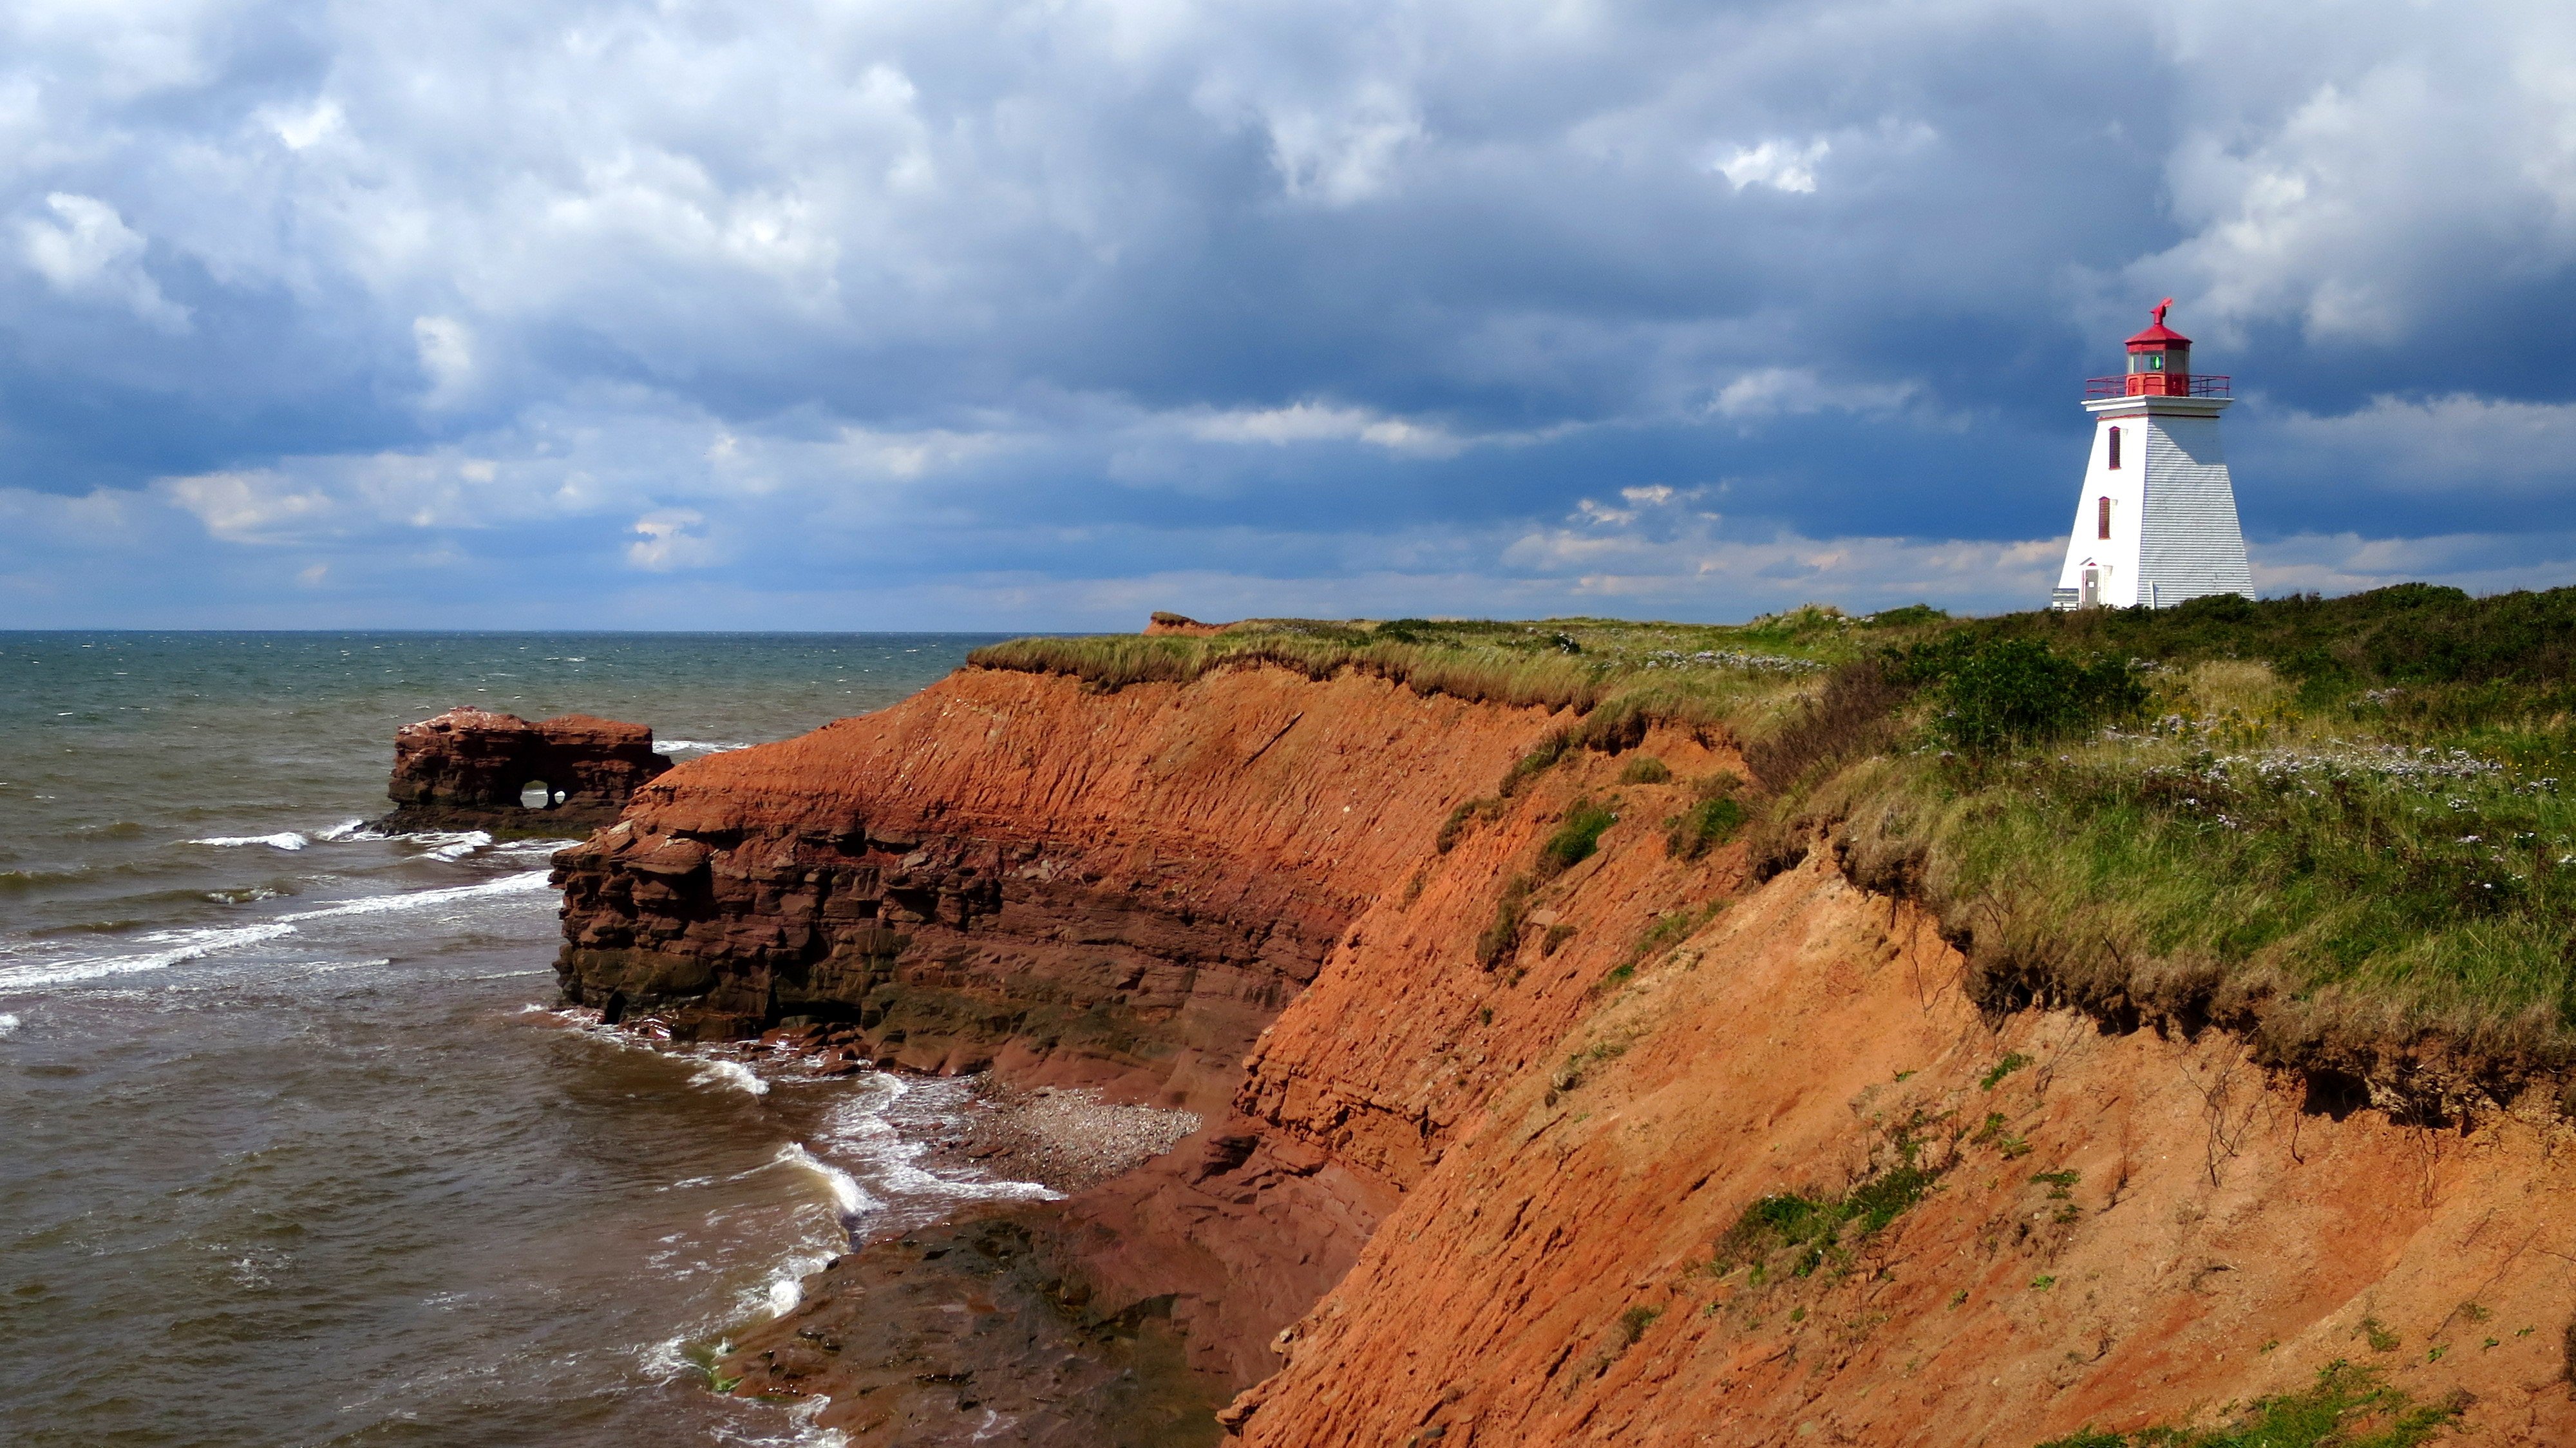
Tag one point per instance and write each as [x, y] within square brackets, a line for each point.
[468, 767]
[1478, 1133]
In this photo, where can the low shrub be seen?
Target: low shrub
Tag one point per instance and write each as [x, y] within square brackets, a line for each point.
[1533, 764]
[1853, 715]
[1646, 769]
[1501, 938]
[1711, 820]
[1576, 838]
[2007, 692]
[1813, 1230]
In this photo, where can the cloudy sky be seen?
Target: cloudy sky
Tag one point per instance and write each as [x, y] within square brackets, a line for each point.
[1044, 313]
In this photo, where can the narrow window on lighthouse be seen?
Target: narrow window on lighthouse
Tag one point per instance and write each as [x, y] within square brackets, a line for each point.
[2115, 449]
[2103, 528]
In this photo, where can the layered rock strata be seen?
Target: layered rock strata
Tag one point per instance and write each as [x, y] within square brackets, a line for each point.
[471, 769]
[1484, 1135]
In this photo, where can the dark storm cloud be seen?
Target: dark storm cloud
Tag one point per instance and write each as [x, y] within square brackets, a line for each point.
[1018, 313]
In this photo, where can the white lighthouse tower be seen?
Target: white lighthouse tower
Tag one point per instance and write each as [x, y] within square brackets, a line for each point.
[2157, 520]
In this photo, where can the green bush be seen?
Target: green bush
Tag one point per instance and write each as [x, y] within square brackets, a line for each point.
[1646, 769]
[1813, 1230]
[1710, 823]
[1998, 694]
[1576, 839]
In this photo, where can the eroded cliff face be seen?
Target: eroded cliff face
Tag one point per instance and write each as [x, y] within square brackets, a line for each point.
[1494, 1193]
[1133, 883]
[2122, 1230]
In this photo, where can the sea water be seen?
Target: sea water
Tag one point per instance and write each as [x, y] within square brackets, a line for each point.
[295, 1146]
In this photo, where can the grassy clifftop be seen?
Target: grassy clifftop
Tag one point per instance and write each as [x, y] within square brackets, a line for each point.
[2334, 824]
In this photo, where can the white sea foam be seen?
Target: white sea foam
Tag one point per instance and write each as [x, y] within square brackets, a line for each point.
[698, 746]
[787, 1285]
[847, 1194]
[518, 848]
[448, 844]
[350, 829]
[8, 1025]
[186, 945]
[730, 1073]
[856, 1131]
[282, 840]
[422, 899]
[181, 945]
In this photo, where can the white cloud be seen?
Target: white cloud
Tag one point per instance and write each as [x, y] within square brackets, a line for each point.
[2356, 172]
[1780, 165]
[1311, 422]
[303, 129]
[1348, 155]
[258, 506]
[2333, 563]
[446, 352]
[2439, 444]
[89, 252]
[669, 539]
[1783, 391]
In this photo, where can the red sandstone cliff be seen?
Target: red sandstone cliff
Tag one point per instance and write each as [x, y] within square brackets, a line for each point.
[1490, 1196]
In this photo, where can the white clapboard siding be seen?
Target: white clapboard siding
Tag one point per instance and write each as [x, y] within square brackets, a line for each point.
[2189, 543]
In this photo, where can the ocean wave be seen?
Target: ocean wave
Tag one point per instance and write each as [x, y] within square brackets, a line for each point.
[517, 849]
[350, 829]
[847, 1194]
[419, 899]
[282, 840]
[8, 1025]
[183, 945]
[448, 844]
[684, 746]
[786, 1286]
[730, 1073]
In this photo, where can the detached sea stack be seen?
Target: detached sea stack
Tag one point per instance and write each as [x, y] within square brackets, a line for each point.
[474, 769]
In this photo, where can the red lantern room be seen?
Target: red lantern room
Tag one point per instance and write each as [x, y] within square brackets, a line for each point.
[2159, 366]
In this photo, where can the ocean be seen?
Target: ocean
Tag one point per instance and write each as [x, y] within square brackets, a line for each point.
[295, 1147]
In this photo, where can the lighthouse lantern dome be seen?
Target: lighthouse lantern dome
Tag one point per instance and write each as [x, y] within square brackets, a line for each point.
[2160, 350]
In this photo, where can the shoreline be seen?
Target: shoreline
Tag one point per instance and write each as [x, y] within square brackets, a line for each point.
[1065, 1138]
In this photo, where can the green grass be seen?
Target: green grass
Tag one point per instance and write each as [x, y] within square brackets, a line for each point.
[1618, 674]
[1715, 814]
[1576, 839]
[1804, 1233]
[2348, 1407]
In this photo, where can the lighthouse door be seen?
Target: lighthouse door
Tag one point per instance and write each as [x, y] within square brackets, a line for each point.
[2092, 588]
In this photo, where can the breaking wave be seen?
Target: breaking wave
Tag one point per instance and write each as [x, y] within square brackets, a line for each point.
[693, 746]
[282, 840]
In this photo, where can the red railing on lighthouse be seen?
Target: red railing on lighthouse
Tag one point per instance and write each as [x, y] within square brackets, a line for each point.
[2157, 384]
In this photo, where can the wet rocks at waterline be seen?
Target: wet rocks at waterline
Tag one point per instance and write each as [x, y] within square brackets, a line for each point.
[473, 768]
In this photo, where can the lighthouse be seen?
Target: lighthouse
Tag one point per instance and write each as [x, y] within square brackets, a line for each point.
[2156, 522]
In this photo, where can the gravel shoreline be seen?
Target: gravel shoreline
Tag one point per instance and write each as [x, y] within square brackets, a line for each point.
[1066, 1137]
